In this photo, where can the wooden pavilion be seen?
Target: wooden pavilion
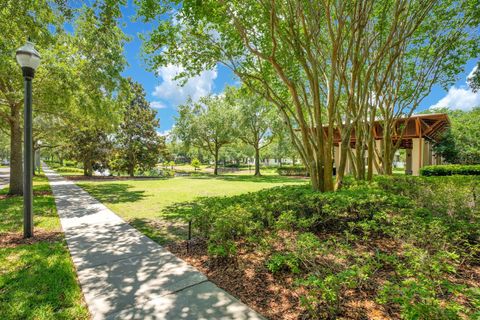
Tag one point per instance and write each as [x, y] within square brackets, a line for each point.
[421, 132]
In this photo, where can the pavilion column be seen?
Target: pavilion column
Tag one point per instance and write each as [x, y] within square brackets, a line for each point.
[408, 161]
[427, 153]
[417, 155]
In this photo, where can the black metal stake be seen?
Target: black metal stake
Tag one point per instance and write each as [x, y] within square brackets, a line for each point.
[189, 235]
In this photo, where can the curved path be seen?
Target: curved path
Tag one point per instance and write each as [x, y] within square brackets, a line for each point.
[125, 275]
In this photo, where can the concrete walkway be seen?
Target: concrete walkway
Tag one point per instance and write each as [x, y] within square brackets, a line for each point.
[125, 275]
[4, 177]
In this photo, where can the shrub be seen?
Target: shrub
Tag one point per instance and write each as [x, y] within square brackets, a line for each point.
[415, 232]
[283, 262]
[451, 169]
[69, 163]
[293, 171]
[195, 163]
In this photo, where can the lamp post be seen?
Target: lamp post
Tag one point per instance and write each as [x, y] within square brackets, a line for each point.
[29, 59]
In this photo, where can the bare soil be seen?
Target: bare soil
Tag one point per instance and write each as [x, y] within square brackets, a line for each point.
[276, 296]
[14, 239]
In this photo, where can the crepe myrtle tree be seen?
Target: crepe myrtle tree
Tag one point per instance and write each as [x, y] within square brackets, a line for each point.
[320, 63]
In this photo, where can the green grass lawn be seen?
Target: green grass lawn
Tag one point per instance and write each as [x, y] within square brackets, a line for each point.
[144, 203]
[37, 277]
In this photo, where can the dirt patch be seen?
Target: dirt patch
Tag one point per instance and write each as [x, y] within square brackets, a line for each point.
[14, 239]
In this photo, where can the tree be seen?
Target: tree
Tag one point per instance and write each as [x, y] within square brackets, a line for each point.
[256, 120]
[138, 145]
[91, 146]
[195, 163]
[461, 143]
[208, 124]
[281, 147]
[323, 64]
[18, 21]
[78, 74]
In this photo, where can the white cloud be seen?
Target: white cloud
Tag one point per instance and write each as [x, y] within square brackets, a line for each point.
[164, 133]
[471, 72]
[172, 91]
[459, 98]
[157, 105]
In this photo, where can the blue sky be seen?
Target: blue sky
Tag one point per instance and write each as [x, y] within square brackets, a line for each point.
[165, 95]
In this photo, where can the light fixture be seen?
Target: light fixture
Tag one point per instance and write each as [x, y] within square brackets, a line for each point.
[28, 58]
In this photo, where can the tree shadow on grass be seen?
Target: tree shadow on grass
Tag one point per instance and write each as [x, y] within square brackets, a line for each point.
[162, 230]
[11, 210]
[113, 192]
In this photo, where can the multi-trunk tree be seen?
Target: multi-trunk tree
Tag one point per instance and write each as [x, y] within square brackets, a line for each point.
[325, 65]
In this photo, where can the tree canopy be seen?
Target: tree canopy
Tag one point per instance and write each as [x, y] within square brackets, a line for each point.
[324, 65]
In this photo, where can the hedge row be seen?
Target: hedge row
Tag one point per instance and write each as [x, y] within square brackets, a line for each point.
[293, 171]
[451, 169]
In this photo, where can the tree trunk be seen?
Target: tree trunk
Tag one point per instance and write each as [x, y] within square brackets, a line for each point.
[371, 154]
[16, 169]
[131, 171]
[87, 168]
[215, 169]
[34, 167]
[387, 153]
[257, 161]
[343, 148]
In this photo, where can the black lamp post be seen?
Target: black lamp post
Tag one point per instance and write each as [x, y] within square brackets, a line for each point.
[29, 59]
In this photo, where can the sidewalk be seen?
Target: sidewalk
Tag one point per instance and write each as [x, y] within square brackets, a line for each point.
[125, 275]
[4, 177]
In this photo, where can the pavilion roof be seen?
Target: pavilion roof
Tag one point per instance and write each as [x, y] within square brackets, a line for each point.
[428, 126]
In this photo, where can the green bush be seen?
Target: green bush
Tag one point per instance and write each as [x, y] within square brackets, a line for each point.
[451, 169]
[293, 171]
[429, 228]
[283, 262]
[70, 163]
[195, 163]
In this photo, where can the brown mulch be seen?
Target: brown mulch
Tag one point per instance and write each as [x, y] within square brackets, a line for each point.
[246, 278]
[14, 239]
[277, 296]
[35, 194]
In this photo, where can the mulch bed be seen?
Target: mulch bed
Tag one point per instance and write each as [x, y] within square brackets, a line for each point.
[14, 239]
[245, 278]
[277, 296]
[35, 194]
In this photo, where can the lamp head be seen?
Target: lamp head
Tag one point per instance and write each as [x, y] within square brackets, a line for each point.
[28, 58]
